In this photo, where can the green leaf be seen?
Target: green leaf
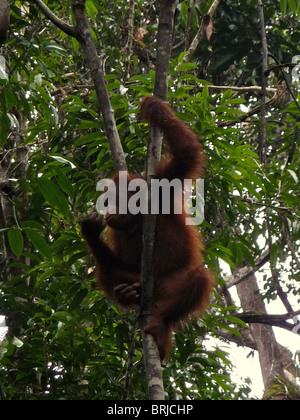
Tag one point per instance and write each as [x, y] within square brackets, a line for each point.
[181, 56]
[113, 85]
[64, 182]
[64, 160]
[16, 342]
[91, 10]
[186, 66]
[45, 275]
[228, 328]
[39, 242]
[33, 224]
[294, 176]
[221, 383]
[227, 94]
[283, 6]
[205, 93]
[53, 195]
[293, 6]
[223, 257]
[10, 99]
[15, 240]
[88, 138]
[58, 49]
[87, 125]
[78, 298]
[235, 320]
[62, 316]
[4, 128]
[275, 253]
[226, 250]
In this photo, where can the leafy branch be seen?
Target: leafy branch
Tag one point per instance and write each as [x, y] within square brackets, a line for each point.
[201, 31]
[83, 35]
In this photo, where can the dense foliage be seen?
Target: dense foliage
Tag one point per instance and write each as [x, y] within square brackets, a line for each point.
[65, 340]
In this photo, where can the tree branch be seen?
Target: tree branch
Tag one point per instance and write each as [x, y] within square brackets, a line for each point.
[151, 354]
[68, 29]
[204, 22]
[275, 98]
[84, 36]
[242, 273]
[268, 206]
[129, 365]
[292, 249]
[241, 89]
[129, 38]
[263, 144]
[272, 320]
[282, 295]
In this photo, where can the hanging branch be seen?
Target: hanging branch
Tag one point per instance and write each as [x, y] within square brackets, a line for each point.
[201, 31]
[129, 38]
[263, 141]
[151, 354]
[83, 35]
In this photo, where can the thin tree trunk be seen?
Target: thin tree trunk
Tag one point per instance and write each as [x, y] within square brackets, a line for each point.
[269, 354]
[263, 130]
[164, 46]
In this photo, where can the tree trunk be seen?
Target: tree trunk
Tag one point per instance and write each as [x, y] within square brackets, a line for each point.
[271, 358]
